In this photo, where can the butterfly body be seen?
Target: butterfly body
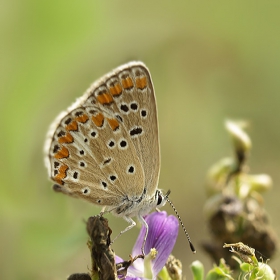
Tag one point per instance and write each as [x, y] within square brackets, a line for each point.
[105, 147]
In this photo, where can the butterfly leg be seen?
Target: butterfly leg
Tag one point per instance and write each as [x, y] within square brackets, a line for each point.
[144, 223]
[103, 211]
[132, 224]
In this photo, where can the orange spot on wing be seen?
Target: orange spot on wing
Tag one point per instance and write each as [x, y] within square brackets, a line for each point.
[141, 82]
[104, 98]
[82, 118]
[113, 124]
[73, 126]
[62, 153]
[116, 90]
[98, 119]
[127, 83]
[68, 138]
[62, 173]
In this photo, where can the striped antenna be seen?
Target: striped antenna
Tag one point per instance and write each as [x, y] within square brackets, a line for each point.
[181, 222]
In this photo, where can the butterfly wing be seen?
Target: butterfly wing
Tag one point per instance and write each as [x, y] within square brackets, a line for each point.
[138, 109]
[104, 148]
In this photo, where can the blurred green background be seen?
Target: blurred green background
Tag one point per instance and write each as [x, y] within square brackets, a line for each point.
[209, 61]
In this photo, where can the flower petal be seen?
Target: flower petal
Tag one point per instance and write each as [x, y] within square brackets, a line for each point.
[162, 235]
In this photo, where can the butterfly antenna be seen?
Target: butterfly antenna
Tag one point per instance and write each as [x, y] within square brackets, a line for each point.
[181, 222]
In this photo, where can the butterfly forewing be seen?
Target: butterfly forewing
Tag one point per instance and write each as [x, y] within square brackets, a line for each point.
[131, 88]
[108, 142]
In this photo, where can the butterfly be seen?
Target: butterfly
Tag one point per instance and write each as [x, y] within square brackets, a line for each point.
[105, 147]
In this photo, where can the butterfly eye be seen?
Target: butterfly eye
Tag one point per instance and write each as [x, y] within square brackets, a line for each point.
[159, 199]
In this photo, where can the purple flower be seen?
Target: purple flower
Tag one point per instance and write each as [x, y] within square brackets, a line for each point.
[162, 235]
